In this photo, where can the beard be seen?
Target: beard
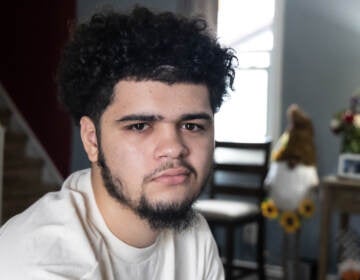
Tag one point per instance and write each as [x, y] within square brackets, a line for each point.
[177, 216]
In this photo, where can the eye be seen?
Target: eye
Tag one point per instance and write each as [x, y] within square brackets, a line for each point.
[192, 127]
[138, 127]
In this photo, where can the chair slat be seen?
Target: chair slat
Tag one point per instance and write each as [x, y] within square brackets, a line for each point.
[237, 163]
[240, 191]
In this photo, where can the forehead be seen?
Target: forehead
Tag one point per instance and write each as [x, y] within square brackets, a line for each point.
[160, 98]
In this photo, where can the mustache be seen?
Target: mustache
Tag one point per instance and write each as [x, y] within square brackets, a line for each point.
[169, 165]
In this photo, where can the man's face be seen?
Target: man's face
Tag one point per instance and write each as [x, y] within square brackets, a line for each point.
[156, 147]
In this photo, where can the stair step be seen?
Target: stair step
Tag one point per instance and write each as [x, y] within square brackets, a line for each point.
[5, 116]
[11, 137]
[9, 181]
[18, 164]
[14, 144]
[21, 174]
[22, 188]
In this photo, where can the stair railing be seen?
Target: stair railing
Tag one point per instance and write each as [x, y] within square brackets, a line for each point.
[2, 141]
[51, 173]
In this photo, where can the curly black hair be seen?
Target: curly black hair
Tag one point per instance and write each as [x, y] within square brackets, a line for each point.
[139, 46]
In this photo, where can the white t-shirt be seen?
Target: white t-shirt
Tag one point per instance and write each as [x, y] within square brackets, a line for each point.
[63, 236]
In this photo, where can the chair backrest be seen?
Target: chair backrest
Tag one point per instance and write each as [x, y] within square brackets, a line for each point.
[234, 162]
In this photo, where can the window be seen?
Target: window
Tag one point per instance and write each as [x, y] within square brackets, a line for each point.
[249, 27]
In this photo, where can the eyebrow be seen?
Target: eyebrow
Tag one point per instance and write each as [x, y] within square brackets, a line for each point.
[187, 117]
[152, 118]
[140, 117]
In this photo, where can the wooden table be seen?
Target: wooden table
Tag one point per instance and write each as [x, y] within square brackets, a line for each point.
[338, 194]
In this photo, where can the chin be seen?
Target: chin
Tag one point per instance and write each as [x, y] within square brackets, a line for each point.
[170, 200]
[175, 194]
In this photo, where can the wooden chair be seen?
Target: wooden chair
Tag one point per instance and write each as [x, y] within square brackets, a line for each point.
[235, 163]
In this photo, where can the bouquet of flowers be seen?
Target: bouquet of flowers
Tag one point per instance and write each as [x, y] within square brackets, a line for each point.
[347, 123]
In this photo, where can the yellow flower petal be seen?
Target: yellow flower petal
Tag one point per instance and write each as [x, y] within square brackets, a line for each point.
[290, 221]
[269, 209]
[306, 208]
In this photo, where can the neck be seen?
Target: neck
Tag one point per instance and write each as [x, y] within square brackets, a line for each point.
[122, 221]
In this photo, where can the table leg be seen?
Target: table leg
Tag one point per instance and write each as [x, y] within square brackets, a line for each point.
[344, 226]
[324, 233]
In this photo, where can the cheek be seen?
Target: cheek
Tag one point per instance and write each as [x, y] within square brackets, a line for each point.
[203, 156]
[126, 159]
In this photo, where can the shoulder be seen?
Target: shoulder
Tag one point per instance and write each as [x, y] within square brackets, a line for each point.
[49, 217]
[47, 236]
[55, 208]
[58, 209]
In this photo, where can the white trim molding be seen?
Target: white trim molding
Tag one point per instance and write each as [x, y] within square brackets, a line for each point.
[275, 73]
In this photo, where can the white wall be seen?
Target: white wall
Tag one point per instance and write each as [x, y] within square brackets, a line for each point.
[321, 65]
[321, 69]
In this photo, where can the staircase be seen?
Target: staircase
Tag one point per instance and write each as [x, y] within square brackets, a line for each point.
[26, 175]
[22, 176]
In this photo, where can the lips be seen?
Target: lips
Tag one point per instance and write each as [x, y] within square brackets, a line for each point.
[173, 176]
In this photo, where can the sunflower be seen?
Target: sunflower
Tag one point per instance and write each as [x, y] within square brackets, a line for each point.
[269, 209]
[290, 221]
[306, 208]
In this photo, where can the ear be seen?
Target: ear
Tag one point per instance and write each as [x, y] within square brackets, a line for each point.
[88, 137]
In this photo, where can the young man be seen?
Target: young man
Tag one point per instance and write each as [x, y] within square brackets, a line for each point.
[144, 88]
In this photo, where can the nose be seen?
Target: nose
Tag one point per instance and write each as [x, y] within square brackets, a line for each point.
[170, 144]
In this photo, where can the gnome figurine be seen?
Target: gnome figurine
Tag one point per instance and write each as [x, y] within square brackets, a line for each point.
[293, 167]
